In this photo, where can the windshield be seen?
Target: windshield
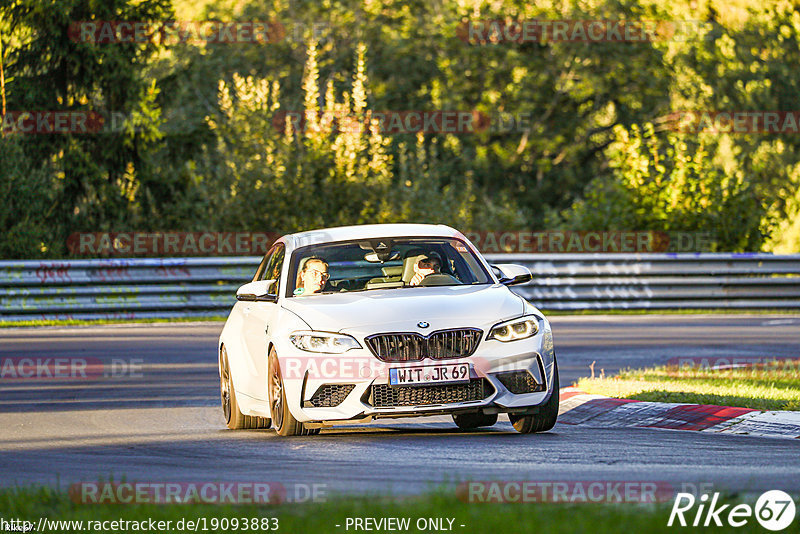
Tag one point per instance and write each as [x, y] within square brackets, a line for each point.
[390, 263]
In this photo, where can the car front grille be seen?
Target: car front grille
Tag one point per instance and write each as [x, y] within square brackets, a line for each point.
[386, 396]
[330, 395]
[410, 346]
[519, 382]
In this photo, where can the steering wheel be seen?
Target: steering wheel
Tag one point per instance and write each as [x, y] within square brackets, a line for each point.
[440, 279]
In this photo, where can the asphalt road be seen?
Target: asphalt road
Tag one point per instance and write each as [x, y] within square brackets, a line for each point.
[163, 423]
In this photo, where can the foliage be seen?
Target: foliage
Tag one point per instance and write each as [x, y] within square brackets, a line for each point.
[27, 202]
[92, 179]
[579, 135]
[335, 169]
[671, 182]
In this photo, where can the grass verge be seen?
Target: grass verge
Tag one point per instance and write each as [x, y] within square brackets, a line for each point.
[318, 518]
[90, 322]
[773, 386]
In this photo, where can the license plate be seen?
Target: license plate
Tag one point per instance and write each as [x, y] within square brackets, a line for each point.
[454, 373]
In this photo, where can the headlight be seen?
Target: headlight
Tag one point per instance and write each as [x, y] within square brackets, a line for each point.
[520, 328]
[323, 342]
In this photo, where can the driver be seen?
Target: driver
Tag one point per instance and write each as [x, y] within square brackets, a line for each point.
[426, 264]
[312, 277]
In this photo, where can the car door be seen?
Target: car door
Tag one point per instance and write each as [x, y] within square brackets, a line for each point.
[257, 320]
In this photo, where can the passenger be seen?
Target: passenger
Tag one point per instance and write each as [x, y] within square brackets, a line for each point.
[426, 264]
[312, 277]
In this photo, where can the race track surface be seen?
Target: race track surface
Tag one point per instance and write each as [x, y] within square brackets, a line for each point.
[164, 423]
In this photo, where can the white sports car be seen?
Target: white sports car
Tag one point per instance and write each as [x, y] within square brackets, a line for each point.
[346, 325]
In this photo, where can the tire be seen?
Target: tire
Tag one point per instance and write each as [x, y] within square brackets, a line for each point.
[234, 418]
[547, 416]
[469, 421]
[284, 422]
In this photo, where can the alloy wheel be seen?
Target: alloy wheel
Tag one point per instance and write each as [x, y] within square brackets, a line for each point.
[225, 386]
[276, 393]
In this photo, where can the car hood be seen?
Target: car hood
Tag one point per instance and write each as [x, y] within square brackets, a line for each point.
[393, 310]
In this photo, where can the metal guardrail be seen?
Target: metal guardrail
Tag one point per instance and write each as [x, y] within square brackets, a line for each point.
[205, 287]
[660, 281]
[133, 288]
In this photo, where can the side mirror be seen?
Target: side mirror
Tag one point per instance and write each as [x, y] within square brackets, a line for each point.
[511, 274]
[257, 291]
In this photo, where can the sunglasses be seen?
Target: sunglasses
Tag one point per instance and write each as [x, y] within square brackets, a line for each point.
[324, 276]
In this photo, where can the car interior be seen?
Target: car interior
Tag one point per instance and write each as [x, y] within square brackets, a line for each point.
[395, 271]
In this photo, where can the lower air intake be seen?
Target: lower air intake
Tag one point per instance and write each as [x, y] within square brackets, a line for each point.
[385, 396]
[519, 382]
[330, 395]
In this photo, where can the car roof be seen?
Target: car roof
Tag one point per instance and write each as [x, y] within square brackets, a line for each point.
[369, 231]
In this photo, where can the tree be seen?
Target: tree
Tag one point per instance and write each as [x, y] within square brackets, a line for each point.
[93, 177]
[670, 182]
[326, 164]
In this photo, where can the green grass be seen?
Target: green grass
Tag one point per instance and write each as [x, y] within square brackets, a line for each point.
[318, 518]
[84, 322]
[775, 386]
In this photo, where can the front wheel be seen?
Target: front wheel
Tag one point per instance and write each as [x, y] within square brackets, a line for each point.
[548, 412]
[284, 421]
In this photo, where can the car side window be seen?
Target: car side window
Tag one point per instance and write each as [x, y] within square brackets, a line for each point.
[274, 266]
[262, 267]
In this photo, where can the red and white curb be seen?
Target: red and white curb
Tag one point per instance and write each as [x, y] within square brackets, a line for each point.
[579, 408]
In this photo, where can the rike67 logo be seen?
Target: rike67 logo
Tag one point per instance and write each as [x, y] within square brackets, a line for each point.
[774, 510]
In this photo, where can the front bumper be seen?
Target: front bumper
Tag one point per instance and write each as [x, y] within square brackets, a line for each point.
[329, 389]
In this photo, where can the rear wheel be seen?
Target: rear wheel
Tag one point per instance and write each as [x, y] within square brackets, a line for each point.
[548, 412]
[234, 418]
[468, 421]
[285, 423]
